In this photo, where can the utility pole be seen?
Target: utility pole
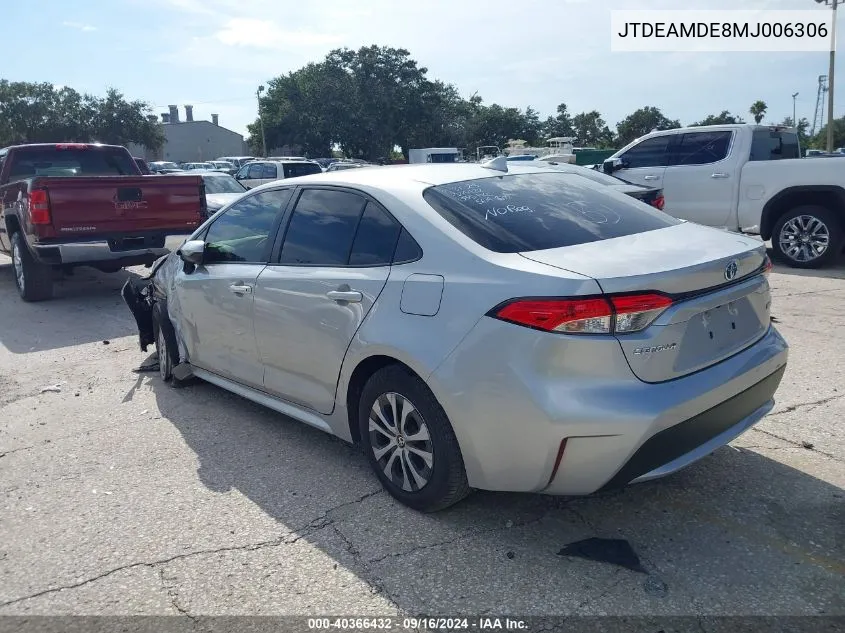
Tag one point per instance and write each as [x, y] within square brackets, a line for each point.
[830, 77]
[261, 122]
[794, 120]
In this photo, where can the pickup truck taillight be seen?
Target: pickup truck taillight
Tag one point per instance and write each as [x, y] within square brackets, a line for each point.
[39, 207]
[659, 202]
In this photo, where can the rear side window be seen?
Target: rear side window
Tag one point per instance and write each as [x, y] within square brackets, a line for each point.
[29, 162]
[269, 171]
[322, 228]
[702, 148]
[375, 239]
[292, 170]
[774, 145]
[531, 212]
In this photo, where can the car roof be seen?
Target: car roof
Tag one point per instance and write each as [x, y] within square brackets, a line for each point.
[403, 177]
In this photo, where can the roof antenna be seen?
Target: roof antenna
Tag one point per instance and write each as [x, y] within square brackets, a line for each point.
[500, 163]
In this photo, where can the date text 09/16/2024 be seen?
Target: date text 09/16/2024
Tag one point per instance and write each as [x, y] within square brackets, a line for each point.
[408, 624]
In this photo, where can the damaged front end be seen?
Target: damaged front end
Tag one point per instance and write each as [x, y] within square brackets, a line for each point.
[140, 295]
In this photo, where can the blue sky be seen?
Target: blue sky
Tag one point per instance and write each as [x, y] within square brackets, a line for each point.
[213, 53]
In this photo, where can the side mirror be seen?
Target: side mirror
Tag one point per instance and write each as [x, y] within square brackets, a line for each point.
[613, 164]
[192, 252]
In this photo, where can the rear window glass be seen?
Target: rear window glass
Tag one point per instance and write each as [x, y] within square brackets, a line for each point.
[774, 145]
[292, 170]
[54, 162]
[532, 212]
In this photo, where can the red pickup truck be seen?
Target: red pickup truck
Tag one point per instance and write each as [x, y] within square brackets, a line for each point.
[78, 204]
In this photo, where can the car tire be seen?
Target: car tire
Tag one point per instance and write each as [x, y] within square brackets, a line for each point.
[426, 473]
[33, 279]
[807, 222]
[166, 345]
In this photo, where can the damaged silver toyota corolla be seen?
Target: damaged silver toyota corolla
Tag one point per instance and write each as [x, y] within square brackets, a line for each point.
[489, 326]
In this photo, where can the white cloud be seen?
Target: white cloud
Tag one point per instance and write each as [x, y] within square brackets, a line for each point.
[79, 26]
[256, 33]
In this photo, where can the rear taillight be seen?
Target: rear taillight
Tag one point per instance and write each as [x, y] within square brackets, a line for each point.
[612, 314]
[658, 202]
[39, 207]
[767, 266]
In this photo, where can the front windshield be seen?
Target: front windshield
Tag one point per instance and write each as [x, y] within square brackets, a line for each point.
[222, 184]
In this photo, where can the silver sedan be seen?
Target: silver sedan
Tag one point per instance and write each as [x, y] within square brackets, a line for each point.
[494, 326]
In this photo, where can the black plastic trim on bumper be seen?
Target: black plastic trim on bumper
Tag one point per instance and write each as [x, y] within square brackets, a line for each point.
[684, 437]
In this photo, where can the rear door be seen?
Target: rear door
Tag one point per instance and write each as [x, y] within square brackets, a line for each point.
[216, 298]
[700, 184]
[311, 299]
[646, 162]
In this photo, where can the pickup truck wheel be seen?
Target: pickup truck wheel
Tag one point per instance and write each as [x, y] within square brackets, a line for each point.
[33, 279]
[808, 236]
[166, 346]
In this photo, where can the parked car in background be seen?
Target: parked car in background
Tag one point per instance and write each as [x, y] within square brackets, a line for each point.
[341, 165]
[78, 204]
[746, 178]
[260, 172]
[164, 167]
[220, 190]
[475, 327]
[224, 166]
[650, 195]
[236, 161]
[142, 166]
[201, 166]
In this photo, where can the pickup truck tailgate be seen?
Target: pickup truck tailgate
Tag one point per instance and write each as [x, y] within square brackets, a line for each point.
[119, 204]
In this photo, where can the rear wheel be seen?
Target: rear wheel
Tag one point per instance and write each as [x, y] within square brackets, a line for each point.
[808, 236]
[166, 346]
[409, 441]
[33, 279]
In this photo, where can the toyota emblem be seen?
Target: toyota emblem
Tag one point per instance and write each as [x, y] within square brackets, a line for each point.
[731, 270]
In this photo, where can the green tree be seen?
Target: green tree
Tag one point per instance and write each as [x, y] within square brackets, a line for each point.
[819, 141]
[802, 129]
[37, 112]
[758, 110]
[723, 118]
[560, 124]
[641, 122]
[591, 130]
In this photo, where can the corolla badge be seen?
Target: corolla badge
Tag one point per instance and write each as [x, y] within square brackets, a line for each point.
[638, 351]
[731, 270]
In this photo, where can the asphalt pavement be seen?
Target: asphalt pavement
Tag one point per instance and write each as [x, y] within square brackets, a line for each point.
[122, 495]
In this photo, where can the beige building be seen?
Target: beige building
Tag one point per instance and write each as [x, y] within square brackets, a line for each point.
[193, 141]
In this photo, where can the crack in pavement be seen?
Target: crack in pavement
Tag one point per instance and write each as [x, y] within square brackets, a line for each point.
[169, 585]
[59, 438]
[797, 444]
[801, 405]
[311, 527]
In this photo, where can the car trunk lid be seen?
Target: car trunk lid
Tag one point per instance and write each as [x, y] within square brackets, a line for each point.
[721, 304]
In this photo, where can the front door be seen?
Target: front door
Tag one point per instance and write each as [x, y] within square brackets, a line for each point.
[217, 297]
[311, 300]
[645, 162]
[700, 183]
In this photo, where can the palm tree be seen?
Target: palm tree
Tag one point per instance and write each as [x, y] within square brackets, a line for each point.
[758, 110]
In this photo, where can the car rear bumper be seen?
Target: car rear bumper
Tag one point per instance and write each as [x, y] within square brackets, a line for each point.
[511, 423]
[130, 251]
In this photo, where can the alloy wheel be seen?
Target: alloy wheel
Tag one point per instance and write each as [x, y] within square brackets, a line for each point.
[804, 238]
[401, 442]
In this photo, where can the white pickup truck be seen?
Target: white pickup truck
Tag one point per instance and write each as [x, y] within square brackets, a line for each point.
[746, 178]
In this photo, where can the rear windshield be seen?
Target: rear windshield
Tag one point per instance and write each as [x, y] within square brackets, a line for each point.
[29, 162]
[774, 145]
[532, 212]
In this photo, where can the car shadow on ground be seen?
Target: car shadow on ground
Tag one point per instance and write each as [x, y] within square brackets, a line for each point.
[82, 310]
[738, 533]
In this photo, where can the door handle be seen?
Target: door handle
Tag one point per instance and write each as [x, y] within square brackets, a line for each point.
[349, 296]
[650, 177]
[240, 289]
[720, 174]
